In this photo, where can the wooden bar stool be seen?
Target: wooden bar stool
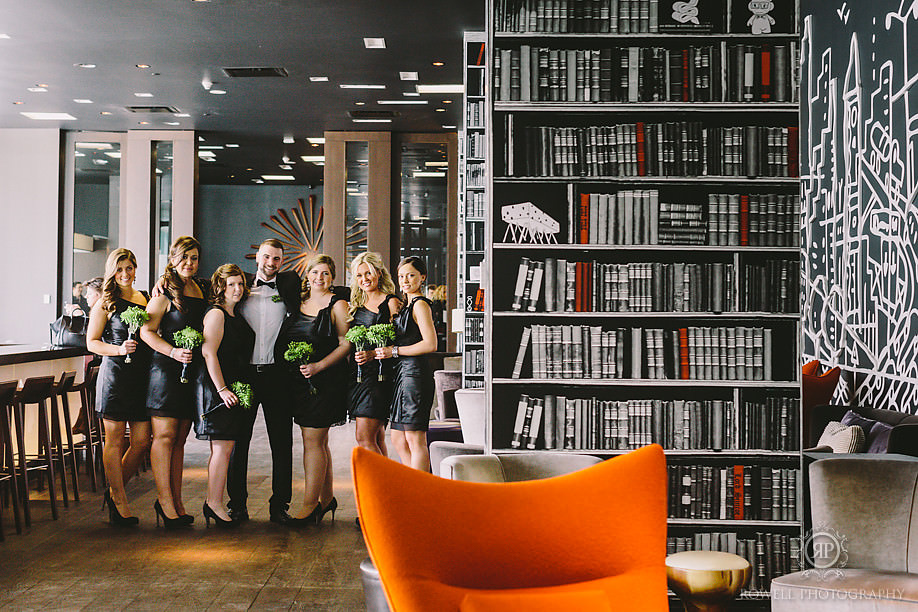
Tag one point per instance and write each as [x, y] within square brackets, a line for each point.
[60, 422]
[35, 391]
[8, 476]
[91, 444]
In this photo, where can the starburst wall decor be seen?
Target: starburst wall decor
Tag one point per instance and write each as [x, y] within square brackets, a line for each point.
[300, 231]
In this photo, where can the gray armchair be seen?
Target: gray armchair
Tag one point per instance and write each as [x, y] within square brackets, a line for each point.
[870, 501]
[513, 467]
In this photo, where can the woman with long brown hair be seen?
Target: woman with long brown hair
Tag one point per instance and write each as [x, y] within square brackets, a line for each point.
[171, 402]
[318, 388]
[227, 349]
[373, 301]
[121, 388]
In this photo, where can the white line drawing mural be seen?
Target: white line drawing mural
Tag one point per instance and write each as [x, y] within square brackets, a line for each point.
[859, 191]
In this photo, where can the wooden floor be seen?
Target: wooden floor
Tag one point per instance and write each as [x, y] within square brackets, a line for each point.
[80, 562]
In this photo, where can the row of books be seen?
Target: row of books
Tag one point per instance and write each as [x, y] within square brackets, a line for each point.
[475, 237]
[556, 422]
[710, 73]
[475, 175]
[633, 16]
[735, 492]
[637, 216]
[772, 285]
[678, 148]
[474, 329]
[687, 353]
[477, 145]
[770, 554]
[474, 205]
[475, 115]
[474, 361]
[472, 383]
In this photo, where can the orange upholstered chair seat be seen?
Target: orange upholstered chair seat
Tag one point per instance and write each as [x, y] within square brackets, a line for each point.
[591, 540]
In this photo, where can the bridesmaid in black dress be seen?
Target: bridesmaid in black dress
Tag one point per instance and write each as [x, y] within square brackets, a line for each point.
[373, 301]
[415, 336]
[227, 350]
[172, 403]
[318, 388]
[121, 389]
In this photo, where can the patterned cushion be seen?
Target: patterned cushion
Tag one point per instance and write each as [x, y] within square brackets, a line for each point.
[842, 438]
[877, 432]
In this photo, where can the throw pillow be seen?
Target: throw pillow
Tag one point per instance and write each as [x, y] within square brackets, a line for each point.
[811, 368]
[842, 438]
[877, 432]
[818, 390]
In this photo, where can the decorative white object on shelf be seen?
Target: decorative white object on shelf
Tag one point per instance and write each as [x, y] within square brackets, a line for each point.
[526, 223]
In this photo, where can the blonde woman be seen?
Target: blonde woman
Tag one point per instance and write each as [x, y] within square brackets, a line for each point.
[172, 403]
[318, 388]
[373, 301]
[121, 388]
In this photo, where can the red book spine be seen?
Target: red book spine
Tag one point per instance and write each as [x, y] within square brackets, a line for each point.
[639, 129]
[578, 286]
[766, 73]
[683, 353]
[744, 220]
[584, 218]
[685, 75]
[793, 150]
[479, 301]
[737, 492]
[588, 294]
[478, 62]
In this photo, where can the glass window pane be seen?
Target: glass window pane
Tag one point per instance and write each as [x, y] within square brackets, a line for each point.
[357, 176]
[162, 202]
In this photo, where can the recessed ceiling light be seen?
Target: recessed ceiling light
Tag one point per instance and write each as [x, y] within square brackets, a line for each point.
[440, 89]
[285, 167]
[359, 103]
[437, 64]
[408, 76]
[17, 102]
[85, 65]
[172, 123]
[371, 120]
[218, 92]
[427, 174]
[312, 158]
[259, 181]
[374, 43]
[441, 110]
[447, 101]
[141, 65]
[288, 139]
[36, 89]
[143, 123]
[48, 116]
[347, 86]
[315, 145]
[45, 85]
[232, 145]
[401, 101]
[318, 79]
[278, 177]
[98, 146]
[287, 160]
[210, 148]
[181, 115]
[410, 93]
[448, 127]
[78, 154]
[316, 141]
[143, 94]
[82, 101]
[100, 162]
[114, 154]
[4, 36]
[206, 154]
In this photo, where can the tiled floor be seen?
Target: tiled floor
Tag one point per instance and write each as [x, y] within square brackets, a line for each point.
[79, 562]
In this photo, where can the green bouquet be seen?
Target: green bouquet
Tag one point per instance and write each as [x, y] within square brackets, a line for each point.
[244, 392]
[299, 353]
[134, 317]
[357, 336]
[381, 334]
[187, 338]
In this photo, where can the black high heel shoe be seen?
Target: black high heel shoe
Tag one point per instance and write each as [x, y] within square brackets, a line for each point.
[312, 519]
[114, 517]
[331, 507]
[221, 523]
[168, 523]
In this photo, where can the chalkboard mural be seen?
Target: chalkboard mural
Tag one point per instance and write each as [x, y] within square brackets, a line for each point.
[859, 130]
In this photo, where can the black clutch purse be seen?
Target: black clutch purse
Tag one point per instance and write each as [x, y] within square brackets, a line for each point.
[69, 330]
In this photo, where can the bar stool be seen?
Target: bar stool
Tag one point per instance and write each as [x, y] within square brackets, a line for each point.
[67, 453]
[8, 475]
[91, 444]
[35, 391]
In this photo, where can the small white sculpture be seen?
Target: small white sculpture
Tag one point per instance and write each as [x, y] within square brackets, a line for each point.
[526, 223]
[686, 12]
[761, 21]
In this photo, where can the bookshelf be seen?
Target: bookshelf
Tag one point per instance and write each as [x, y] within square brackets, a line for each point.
[472, 208]
[643, 234]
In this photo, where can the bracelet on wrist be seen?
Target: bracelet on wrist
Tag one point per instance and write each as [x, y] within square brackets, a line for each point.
[172, 350]
[395, 352]
[222, 389]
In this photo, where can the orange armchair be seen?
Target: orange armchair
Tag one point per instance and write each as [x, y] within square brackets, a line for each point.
[591, 540]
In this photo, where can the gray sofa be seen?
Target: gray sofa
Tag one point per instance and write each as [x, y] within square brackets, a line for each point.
[865, 510]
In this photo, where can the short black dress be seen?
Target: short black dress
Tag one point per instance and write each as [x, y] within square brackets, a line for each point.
[121, 388]
[167, 396]
[414, 385]
[370, 397]
[215, 420]
[328, 405]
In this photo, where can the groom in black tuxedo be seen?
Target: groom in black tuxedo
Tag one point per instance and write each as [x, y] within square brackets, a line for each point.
[273, 295]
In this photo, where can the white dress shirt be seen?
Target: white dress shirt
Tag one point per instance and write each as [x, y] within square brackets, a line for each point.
[264, 316]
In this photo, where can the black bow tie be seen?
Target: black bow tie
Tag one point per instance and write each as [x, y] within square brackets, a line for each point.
[259, 283]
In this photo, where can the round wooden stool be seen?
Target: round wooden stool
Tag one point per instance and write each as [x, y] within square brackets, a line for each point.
[705, 580]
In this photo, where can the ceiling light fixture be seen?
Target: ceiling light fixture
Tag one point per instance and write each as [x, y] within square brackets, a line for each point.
[4, 36]
[285, 167]
[141, 66]
[143, 123]
[401, 102]
[448, 127]
[98, 146]
[440, 89]
[36, 89]
[78, 154]
[318, 79]
[180, 115]
[447, 101]
[371, 120]
[278, 177]
[359, 103]
[258, 181]
[349, 86]
[441, 110]
[205, 154]
[436, 164]
[210, 148]
[288, 139]
[45, 85]
[427, 174]
[105, 113]
[437, 64]
[315, 141]
[48, 116]
[374, 43]
[85, 65]
[410, 93]
[17, 102]
[82, 101]
[100, 162]
[172, 123]
[408, 76]
[218, 92]
[114, 154]
[312, 158]
[232, 145]
[143, 94]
